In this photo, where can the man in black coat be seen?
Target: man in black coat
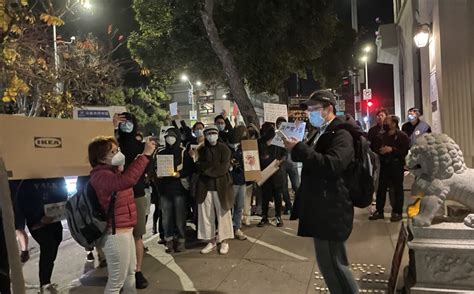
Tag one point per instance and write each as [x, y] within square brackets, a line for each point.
[326, 212]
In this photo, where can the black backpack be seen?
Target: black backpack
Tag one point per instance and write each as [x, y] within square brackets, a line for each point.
[86, 220]
[362, 174]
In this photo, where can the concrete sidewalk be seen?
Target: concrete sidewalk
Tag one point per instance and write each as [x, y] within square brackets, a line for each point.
[271, 260]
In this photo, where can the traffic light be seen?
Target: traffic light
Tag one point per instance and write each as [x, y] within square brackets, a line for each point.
[370, 103]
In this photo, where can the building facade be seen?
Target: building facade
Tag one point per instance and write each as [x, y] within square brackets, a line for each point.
[437, 78]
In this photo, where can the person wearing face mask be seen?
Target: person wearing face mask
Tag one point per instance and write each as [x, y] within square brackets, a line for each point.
[325, 209]
[415, 127]
[224, 126]
[273, 187]
[394, 148]
[238, 177]
[107, 178]
[173, 196]
[126, 130]
[214, 192]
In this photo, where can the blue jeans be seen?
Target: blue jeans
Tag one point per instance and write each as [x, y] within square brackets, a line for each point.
[173, 210]
[333, 264]
[239, 192]
[291, 169]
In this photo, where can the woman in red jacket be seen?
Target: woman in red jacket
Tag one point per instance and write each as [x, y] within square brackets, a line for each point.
[107, 178]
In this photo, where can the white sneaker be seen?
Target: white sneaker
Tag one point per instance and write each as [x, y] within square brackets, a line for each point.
[49, 288]
[246, 221]
[224, 248]
[209, 247]
[239, 235]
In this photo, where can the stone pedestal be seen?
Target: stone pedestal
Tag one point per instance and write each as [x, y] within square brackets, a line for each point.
[444, 258]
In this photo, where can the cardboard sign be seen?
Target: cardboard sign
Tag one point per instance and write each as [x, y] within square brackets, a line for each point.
[273, 111]
[164, 165]
[35, 147]
[268, 172]
[56, 211]
[291, 130]
[174, 108]
[97, 112]
[251, 161]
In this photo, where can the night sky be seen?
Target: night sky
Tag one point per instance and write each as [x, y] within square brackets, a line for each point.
[120, 14]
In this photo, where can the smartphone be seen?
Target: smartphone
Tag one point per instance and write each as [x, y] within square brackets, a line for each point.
[282, 135]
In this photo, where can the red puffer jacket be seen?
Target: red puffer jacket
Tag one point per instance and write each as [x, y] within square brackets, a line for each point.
[106, 179]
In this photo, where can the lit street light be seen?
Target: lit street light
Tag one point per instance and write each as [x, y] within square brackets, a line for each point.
[198, 83]
[422, 36]
[185, 78]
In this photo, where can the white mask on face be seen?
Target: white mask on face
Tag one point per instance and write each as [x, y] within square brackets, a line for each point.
[170, 140]
[212, 139]
[118, 159]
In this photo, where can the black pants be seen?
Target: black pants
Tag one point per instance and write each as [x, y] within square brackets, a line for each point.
[269, 192]
[391, 176]
[4, 267]
[48, 237]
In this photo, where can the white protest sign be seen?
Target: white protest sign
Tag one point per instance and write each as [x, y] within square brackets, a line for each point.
[273, 111]
[174, 108]
[164, 166]
[291, 130]
[97, 112]
[163, 131]
[56, 211]
[193, 115]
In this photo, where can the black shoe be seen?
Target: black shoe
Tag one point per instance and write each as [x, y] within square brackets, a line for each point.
[396, 217]
[155, 231]
[169, 246]
[161, 242]
[141, 282]
[90, 257]
[278, 221]
[24, 256]
[145, 249]
[180, 247]
[377, 215]
[263, 222]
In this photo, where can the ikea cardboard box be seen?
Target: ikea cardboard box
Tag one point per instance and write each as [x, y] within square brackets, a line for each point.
[34, 147]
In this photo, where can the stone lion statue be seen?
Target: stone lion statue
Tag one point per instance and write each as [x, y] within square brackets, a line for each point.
[440, 174]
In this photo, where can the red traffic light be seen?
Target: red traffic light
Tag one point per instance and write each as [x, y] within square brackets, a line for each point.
[370, 103]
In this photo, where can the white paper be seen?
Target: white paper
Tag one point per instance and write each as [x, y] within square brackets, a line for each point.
[251, 160]
[273, 111]
[193, 115]
[97, 112]
[56, 211]
[269, 171]
[291, 130]
[164, 166]
[174, 108]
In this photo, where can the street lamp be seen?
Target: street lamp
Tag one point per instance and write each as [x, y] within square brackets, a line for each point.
[367, 49]
[87, 5]
[198, 83]
[422, 35]
[185, 78]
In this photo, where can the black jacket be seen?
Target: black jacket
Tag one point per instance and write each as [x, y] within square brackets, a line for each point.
[325, 209]
[269, 153]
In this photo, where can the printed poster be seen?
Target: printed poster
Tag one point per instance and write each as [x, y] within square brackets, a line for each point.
[251, 160]
[291, 130]
[273, 111]
[164, 166]
[56, 211]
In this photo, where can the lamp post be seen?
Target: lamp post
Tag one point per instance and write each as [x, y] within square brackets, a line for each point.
[185, 78]
[365, 60]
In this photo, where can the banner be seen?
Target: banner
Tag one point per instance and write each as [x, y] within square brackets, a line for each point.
[273, 111]
[291, 130]
[34, 147]
[97, 112]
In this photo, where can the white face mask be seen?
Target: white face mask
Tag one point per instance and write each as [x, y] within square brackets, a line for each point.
[212, 139]
[170, 140]
[118, 159]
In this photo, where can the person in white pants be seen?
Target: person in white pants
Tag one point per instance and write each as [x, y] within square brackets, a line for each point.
[214, 192]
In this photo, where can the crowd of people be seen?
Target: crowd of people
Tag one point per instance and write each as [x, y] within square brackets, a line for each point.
[208, 188]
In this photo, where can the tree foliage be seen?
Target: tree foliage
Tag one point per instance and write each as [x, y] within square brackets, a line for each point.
[268, 40]
[33, 84]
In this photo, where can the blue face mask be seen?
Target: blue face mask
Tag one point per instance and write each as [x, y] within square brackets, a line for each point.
[126, 127]
[316, 119]
[411, 117]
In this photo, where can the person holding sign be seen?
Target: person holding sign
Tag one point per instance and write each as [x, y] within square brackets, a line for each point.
[325, 207]
[31, 198]
[173, 195]
[273, 187]
[214, 192]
